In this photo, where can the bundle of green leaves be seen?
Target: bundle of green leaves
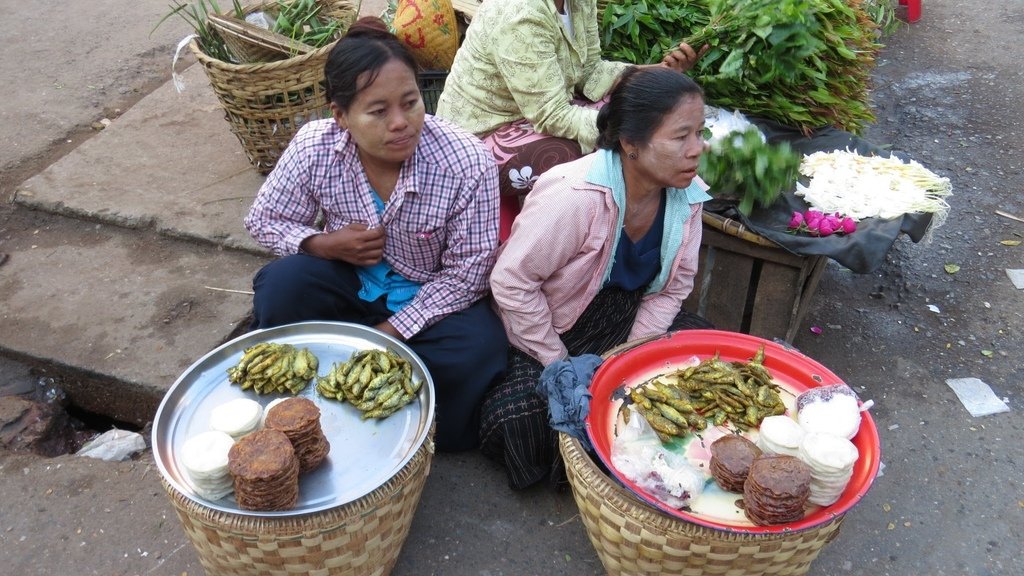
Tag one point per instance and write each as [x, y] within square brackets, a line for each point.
[802, 63]
[742, 167]
[299, 20]
[195, 13]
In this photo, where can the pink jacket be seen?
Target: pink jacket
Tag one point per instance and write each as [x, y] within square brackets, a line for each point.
[553, 263]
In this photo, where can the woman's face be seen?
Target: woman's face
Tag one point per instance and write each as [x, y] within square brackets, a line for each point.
[670, 159]
[386, 117]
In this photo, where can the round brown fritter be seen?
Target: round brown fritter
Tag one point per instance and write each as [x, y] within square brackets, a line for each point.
[265, 453]
[299, 419]
[776, 490]
[781, 476]
[731, 457]
[293, 415]
[311, 454]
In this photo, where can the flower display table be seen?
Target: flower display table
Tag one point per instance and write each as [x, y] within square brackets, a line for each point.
[747, 283]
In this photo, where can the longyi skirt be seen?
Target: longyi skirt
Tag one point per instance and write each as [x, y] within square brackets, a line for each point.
[514, 429]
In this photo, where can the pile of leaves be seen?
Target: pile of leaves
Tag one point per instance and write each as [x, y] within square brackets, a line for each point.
[742, 167]
[802, 63]
[299, 20]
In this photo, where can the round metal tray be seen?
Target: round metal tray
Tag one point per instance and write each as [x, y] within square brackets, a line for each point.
[364, 453]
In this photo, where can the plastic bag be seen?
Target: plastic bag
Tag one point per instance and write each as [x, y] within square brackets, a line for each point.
[639, 455]
[113, 445]
[722, 123]
[261, 19]
[830, 410]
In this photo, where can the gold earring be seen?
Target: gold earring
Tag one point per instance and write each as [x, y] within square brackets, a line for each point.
[632, 156]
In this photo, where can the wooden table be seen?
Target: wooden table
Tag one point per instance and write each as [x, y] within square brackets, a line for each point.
[747, 283]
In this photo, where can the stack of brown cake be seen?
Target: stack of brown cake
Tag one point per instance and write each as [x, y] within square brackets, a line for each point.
[731, 457]
[265, 471]
[776, 490]
[299, 420]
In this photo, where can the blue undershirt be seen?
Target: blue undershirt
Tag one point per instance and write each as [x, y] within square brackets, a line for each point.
[381, 280]
[638, 263]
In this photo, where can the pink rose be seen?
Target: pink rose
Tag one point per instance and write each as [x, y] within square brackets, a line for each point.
[849, 225]
[796, 220]
[825, 228]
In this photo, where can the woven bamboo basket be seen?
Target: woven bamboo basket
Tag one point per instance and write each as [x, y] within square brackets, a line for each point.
[250, 43]
[267, 103]
[632, 538]
[361, 538]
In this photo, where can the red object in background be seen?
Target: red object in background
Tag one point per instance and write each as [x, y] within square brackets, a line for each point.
[788, 367]
[509, 209]
[913, 9]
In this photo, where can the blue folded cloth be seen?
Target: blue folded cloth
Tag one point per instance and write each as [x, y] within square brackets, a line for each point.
[566, 385]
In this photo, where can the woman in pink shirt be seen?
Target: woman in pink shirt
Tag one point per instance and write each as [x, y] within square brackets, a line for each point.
[604, 251]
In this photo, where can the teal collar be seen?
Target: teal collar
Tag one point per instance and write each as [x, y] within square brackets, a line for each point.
[607, 171]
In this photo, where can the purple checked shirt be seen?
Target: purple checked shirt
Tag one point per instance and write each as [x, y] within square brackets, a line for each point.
[441, 222]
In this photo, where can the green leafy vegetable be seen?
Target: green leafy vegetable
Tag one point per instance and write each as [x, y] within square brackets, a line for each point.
[195, 14]
[300, 20]
[743, 167]
[803, 63]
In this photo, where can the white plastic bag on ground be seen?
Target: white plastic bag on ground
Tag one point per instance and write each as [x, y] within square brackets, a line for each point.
[113, 445]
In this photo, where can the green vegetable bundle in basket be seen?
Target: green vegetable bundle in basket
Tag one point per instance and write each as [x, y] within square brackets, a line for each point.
[267, 102]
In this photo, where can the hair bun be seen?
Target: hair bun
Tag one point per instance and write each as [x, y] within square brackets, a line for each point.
[368, 26]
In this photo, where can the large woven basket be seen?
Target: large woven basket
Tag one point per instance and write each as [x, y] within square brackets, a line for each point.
[361, 538]
[632, 538]
[266, 103]
[250, 43]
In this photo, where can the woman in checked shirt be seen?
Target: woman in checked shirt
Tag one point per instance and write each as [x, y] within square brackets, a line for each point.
[410, 226]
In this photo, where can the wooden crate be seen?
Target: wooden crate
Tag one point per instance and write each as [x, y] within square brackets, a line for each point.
[745, 283]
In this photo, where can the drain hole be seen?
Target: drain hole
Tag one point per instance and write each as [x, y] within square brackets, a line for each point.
[98, 423]
[42, 420]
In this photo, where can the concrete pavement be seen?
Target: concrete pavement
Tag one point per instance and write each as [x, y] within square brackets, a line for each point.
[169, 172]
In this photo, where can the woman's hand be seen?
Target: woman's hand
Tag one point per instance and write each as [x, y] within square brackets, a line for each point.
[387, 328]
[355, 244]
[683, 57]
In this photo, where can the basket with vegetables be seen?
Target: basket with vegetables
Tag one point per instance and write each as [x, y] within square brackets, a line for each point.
[266, 103]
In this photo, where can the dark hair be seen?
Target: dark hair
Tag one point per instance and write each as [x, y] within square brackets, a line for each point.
[366, 47]
[639, 103]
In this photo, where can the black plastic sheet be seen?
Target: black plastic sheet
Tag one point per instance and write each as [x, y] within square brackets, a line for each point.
[865, 250]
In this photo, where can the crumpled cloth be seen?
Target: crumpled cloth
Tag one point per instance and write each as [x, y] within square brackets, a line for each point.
[566, 385]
